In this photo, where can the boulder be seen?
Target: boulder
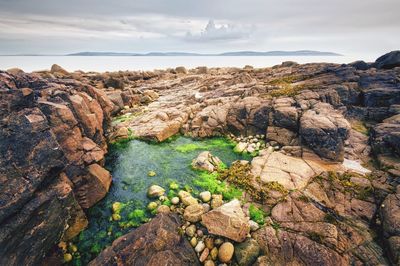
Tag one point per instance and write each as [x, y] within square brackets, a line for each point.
[388, 61]
[227, 220]
[57, 69]
[283, 136]
[324, 130]
[155, 243]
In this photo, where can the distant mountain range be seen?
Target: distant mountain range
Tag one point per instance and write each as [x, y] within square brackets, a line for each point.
[239, 53]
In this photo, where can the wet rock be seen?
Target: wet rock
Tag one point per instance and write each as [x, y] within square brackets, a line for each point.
[200, 247]
[247, 252]
[186, 198]
[227, 220]
[206, 161]
[155, 191]
[205, 196]
[160, 244]
[190, 230]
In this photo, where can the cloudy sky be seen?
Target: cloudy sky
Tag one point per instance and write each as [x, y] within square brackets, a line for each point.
[350, 27]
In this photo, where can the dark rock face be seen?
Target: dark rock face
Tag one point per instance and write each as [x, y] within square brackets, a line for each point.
[155, 243]
[324, 131]
[388, 61]
[52, 147]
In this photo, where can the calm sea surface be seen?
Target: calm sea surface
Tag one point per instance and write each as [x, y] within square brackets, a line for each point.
[114, 63]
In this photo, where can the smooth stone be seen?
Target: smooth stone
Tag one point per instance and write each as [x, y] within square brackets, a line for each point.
[200, 233]
[218, 242]
[209, 263]
[200, 247]
[151, 173]
[155, 191]
[206, 207]
[191, 230]
[175, 200]
[209, 242]
[225, 252]
[214, 253]
[186, 198]
[246, 253]
[204, 255]
[152, 206]
[193, 241]
[253, 226]
[205, 196]
[163, 209]
[216, 201]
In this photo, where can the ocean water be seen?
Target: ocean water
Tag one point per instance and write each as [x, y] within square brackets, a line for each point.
[115, 63]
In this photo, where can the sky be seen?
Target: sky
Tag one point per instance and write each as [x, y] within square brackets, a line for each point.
[349, 27]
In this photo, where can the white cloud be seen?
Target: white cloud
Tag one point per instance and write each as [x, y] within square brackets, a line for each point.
[218, 32]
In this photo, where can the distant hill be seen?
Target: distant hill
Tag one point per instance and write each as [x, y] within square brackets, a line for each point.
[239, 53]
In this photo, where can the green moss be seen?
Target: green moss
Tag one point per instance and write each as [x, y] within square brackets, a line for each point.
[276, 226]
[188, 147]
[167, 202]
[211, 182]
[215, 142]
[257, 215]
[173, 185]
[276, 187]
[96, 248]
[138, 215]
[364, 193]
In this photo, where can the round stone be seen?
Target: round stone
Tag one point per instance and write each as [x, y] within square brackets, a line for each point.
[67, 257]
[175, 200]
[151, 173]
[205, 196]
[155, 191]
[204, 255]
[193, 241]
[152, 206]
[191, 230]
[200, 233]
[225, 252]
[116, 217]
[209, 263]
[214, 253]
[163, 209]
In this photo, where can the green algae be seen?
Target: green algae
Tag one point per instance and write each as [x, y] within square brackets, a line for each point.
[257, 215]
[212, 183]
[130, 161]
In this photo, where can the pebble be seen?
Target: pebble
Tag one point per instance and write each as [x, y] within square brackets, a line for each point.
[163, 209]
[67, 257]
[214, 253]
[162, 198]
[152, 206]
[218, 242]
[175, 200]
[193, 241]
[225, 252]
[204, 255]
[186, 198]
[116, 217]
[200, 247]
[209, 263]
[206, 207]
[216, 201]
[205, 196]
[155, 191]
[191, 230]
[200, 233]
[151, 173]
[209, 242]
[253, 225]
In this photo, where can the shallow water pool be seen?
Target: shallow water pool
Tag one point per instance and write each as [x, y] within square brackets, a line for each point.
[130, 165]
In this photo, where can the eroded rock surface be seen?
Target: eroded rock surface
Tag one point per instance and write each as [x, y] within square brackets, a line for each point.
[154, 243]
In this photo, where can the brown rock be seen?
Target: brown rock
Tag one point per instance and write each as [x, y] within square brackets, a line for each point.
[227, 220]
[193, 213]
[225, 252]
[155, 243]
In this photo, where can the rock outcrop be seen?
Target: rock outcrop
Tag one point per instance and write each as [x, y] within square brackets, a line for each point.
[154, 243]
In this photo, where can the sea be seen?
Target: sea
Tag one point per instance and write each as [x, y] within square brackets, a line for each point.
[116, 63]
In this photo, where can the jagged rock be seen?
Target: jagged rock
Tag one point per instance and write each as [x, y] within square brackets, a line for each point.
[153, 243]
[227, 220]
[325, 131]
[281, 135]
[206, 161]
[389, 60]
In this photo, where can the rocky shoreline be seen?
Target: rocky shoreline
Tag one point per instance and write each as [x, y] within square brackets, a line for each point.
[325, 140]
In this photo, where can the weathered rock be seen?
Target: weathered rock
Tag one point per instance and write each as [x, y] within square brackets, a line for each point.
[193, 213]
[389, 60]
[227, 220]
[186, 198]
[57, 69]
[325, 131]
[206, 161]
[154, 243]
[247, 252]
[155, 191]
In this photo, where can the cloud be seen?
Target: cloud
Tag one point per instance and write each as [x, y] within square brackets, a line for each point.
[221, 32]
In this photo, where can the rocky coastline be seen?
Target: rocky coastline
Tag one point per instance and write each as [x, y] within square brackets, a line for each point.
[325, 142]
